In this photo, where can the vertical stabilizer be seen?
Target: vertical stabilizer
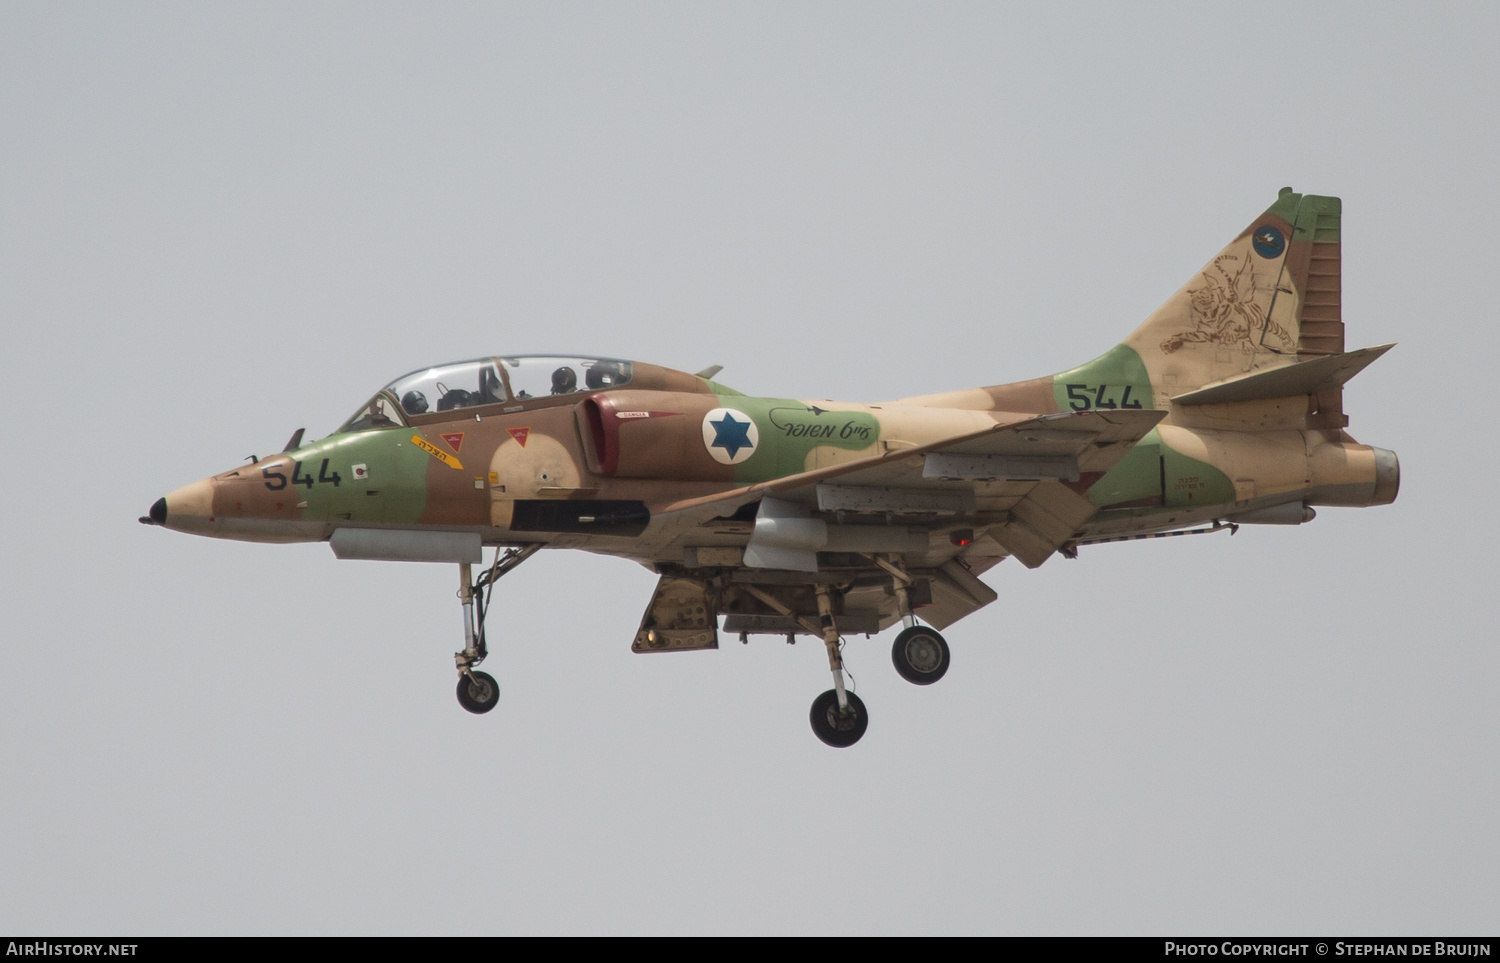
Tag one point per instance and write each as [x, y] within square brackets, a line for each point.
[1269, 299]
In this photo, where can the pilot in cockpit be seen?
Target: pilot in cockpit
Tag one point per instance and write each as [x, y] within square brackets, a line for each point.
[564, 381]
[450, 398]
[373, 416]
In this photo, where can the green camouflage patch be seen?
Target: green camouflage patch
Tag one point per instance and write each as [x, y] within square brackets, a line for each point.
[790, 431]
[1135, 480]
[1115, 379]
[382, 477]
[1190, 482]
[1318, 220]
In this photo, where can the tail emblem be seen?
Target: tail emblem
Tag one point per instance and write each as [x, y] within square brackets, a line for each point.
[1225, 309]
[1269, 242]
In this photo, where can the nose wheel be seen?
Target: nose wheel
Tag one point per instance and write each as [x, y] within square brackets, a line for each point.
[478, 692]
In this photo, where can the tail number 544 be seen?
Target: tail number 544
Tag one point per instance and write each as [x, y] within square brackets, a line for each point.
[1084, 397]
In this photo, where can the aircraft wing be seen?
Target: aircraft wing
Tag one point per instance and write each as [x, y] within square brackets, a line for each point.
[1022, 479]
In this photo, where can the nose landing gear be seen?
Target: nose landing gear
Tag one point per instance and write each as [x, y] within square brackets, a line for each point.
[478, 692]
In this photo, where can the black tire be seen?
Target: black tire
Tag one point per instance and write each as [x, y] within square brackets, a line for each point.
[838, 729]
[478, 692]
[920, 654]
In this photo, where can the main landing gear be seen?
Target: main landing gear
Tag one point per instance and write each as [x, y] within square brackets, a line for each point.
[920, 654]
[478, 692]
[838, 717]
[838, 726]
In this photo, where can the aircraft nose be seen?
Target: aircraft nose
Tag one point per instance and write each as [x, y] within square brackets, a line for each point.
[188, 508]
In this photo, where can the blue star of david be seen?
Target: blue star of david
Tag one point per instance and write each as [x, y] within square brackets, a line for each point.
[731, 435]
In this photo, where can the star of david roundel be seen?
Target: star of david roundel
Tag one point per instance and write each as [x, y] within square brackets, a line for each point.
[729, 435]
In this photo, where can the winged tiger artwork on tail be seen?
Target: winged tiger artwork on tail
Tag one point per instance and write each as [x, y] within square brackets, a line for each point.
[1228, 311]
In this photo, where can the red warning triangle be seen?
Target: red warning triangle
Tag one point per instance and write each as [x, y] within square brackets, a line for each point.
[519, 434]
[454, 439]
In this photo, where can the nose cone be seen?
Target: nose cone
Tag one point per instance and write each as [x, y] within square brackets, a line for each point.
[187, 509]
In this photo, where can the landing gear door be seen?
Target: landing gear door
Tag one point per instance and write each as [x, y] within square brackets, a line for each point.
[683, 615]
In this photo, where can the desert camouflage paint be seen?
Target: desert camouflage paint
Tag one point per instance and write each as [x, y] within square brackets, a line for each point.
[1226, 405]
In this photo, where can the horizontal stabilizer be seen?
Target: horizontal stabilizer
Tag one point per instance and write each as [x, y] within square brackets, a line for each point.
[1303, 378]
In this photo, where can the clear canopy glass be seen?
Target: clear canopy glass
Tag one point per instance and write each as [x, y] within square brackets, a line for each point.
[542, 377]
[467, 384]
[379, 412]
[446, 387]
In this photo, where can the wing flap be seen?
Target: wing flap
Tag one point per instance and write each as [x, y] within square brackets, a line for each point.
[1041, 522]
[956, 592]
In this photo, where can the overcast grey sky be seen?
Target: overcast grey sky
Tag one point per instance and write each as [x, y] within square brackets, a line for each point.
[220, 223]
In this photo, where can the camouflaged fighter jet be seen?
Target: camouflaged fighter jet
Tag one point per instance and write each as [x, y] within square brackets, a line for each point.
[828, 518]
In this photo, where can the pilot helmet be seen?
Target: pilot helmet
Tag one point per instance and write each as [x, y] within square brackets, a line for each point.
[564, 380]
[414, 402]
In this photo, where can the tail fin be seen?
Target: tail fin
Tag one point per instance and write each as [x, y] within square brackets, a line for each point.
[1273, 292]
[1269, 299]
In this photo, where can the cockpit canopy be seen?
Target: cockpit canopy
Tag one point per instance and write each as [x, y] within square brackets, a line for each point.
[487, 381]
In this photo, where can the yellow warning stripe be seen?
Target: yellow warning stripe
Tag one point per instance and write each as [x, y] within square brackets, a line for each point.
[436, 452]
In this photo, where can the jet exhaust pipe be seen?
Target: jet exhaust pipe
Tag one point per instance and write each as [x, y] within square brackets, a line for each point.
[1387, 477]
[1352, 475]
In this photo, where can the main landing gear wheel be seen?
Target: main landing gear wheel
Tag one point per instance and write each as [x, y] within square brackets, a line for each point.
[838, 729]
[478, 692]
[920, 654]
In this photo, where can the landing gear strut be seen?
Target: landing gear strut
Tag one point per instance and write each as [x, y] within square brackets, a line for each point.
[838, 717]
[920, 653]
[478, 692]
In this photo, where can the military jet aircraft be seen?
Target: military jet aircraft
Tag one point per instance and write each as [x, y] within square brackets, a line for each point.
[828, 518]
